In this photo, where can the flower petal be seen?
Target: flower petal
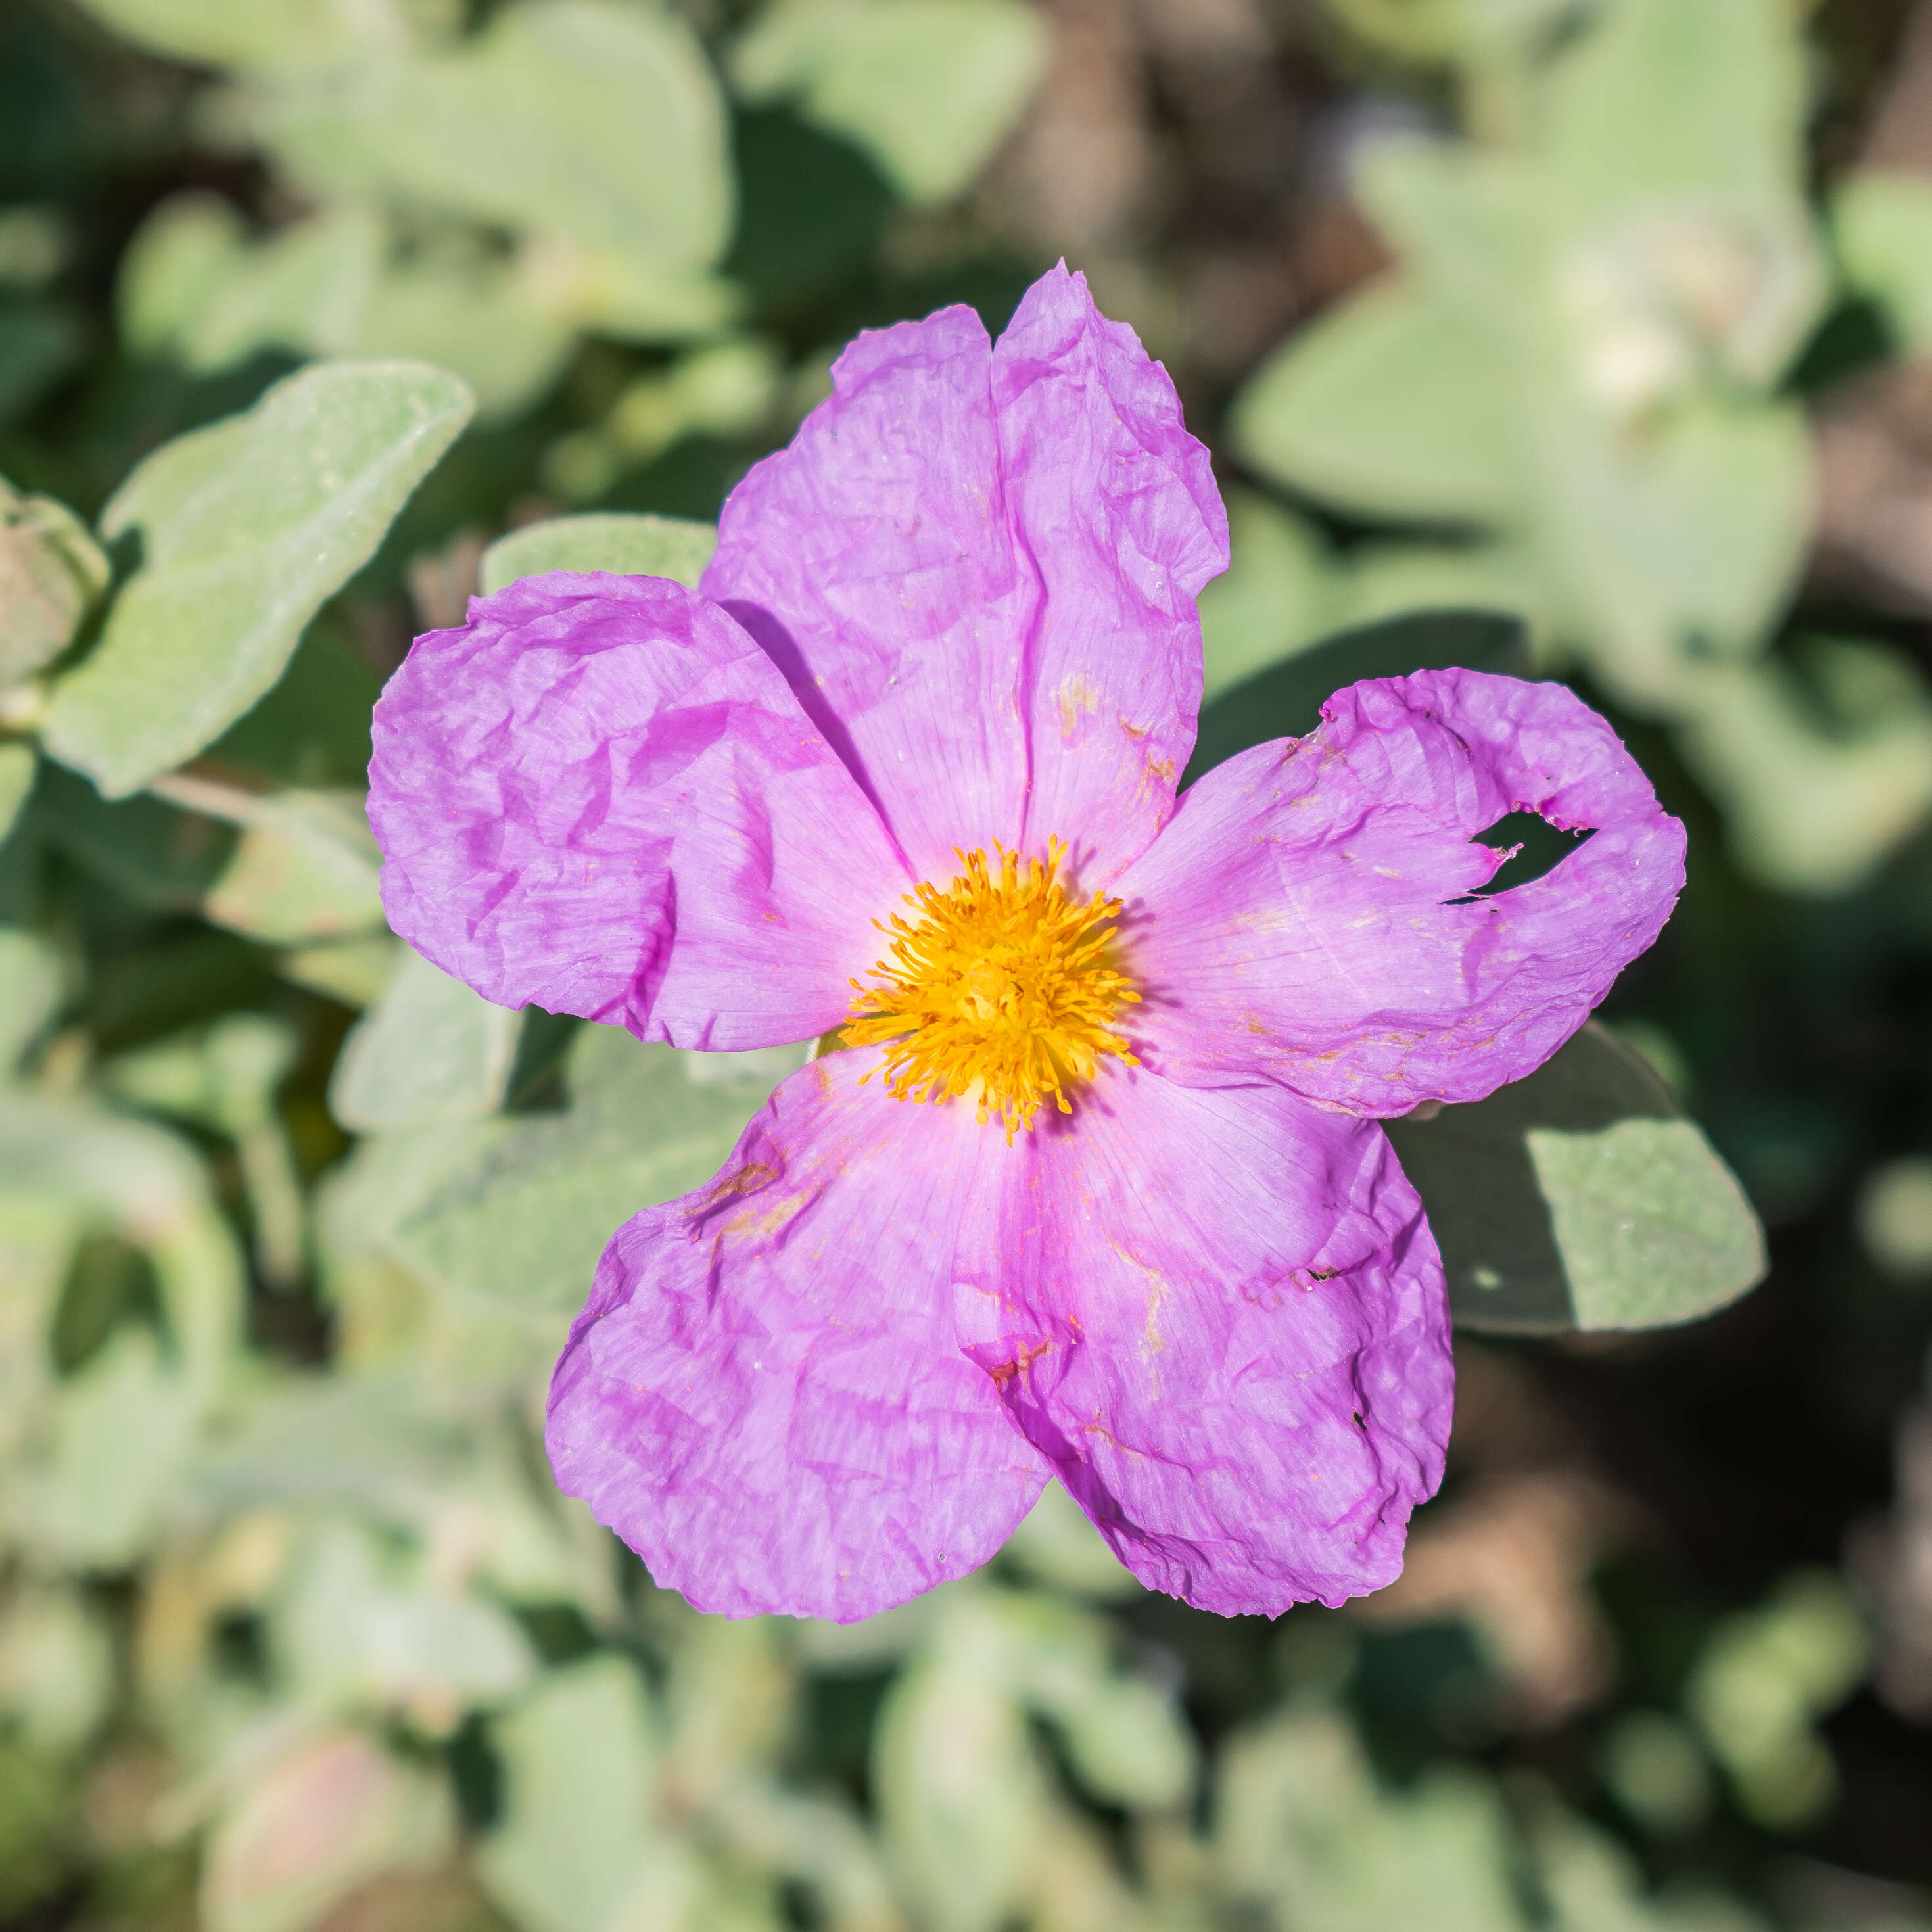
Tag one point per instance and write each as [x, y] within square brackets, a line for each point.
[1220, 1314]
[764, 1397]
[977, 566]
[1115, 505]
[871, 558]
[1305, 917]
[599, 796]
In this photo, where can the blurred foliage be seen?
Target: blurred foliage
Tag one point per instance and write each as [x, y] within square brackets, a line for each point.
[1579, 360]
[317, 315]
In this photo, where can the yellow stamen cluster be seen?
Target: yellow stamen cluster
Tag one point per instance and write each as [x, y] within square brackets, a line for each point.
[997, 990]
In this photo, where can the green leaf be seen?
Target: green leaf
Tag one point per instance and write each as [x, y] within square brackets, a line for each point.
[244, 1058]
[1125, 1737]
[1592, 1882]
[1470, 223]
[929, 87]
[56, 1668]
[1883, 225]
[487, 320]
[1281, 591]
[225, 1078]
[595, 120]
[304, 289]
[627, 296]
[1763, 1680]
[1392, 580]
[361, 1202]
[1056, 1542]
[1127, 1743]
[312, 729]
[352, 1636]
[1676, 545]
[136, 1176]
[150, 853]
[728, 1695]
[962, 1802]
[1823, 776]
[1702, 292]
[1580, 1197]
[1579, 339]
[52, 571]
[1285, 701]
[1394, 403]
[1301, 1816]
[430, 1049]
[1435, 31]
[264, 35]
[41, 1238]
[631, 546]
[352, 972]
[246, 528]
[194, 287]
[146, 1184]
[526, 1222]
[30, 992]
[579, 1759]
[1651, 1226]
[1651, 1765]
[724, 389]
[123, 1428]
[1705, 222]
[364, 1443]
[1719, 90]
[306, 868]
[18, 765]
[177, 258]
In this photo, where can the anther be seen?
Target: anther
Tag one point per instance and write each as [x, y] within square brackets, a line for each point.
[1000, 988]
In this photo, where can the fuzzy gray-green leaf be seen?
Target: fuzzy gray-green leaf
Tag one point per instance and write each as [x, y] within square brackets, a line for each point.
[245, 528]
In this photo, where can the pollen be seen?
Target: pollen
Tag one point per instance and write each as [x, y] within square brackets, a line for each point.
[999, 990]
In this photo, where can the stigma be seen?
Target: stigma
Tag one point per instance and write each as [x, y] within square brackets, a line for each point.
[998, 990]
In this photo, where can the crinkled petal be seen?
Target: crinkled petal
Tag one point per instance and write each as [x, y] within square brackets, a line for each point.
[600, 797]
[1307, 916]
[1116, 506]
[871, 558]
[1220, 1315]
[977, 567]
[765, 1398]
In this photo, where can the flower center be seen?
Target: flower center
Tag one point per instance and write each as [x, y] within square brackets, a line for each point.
[998, 990]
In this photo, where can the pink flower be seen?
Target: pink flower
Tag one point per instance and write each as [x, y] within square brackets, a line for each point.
[1100, 1193]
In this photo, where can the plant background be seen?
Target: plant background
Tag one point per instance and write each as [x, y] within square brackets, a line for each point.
[1612, 316]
